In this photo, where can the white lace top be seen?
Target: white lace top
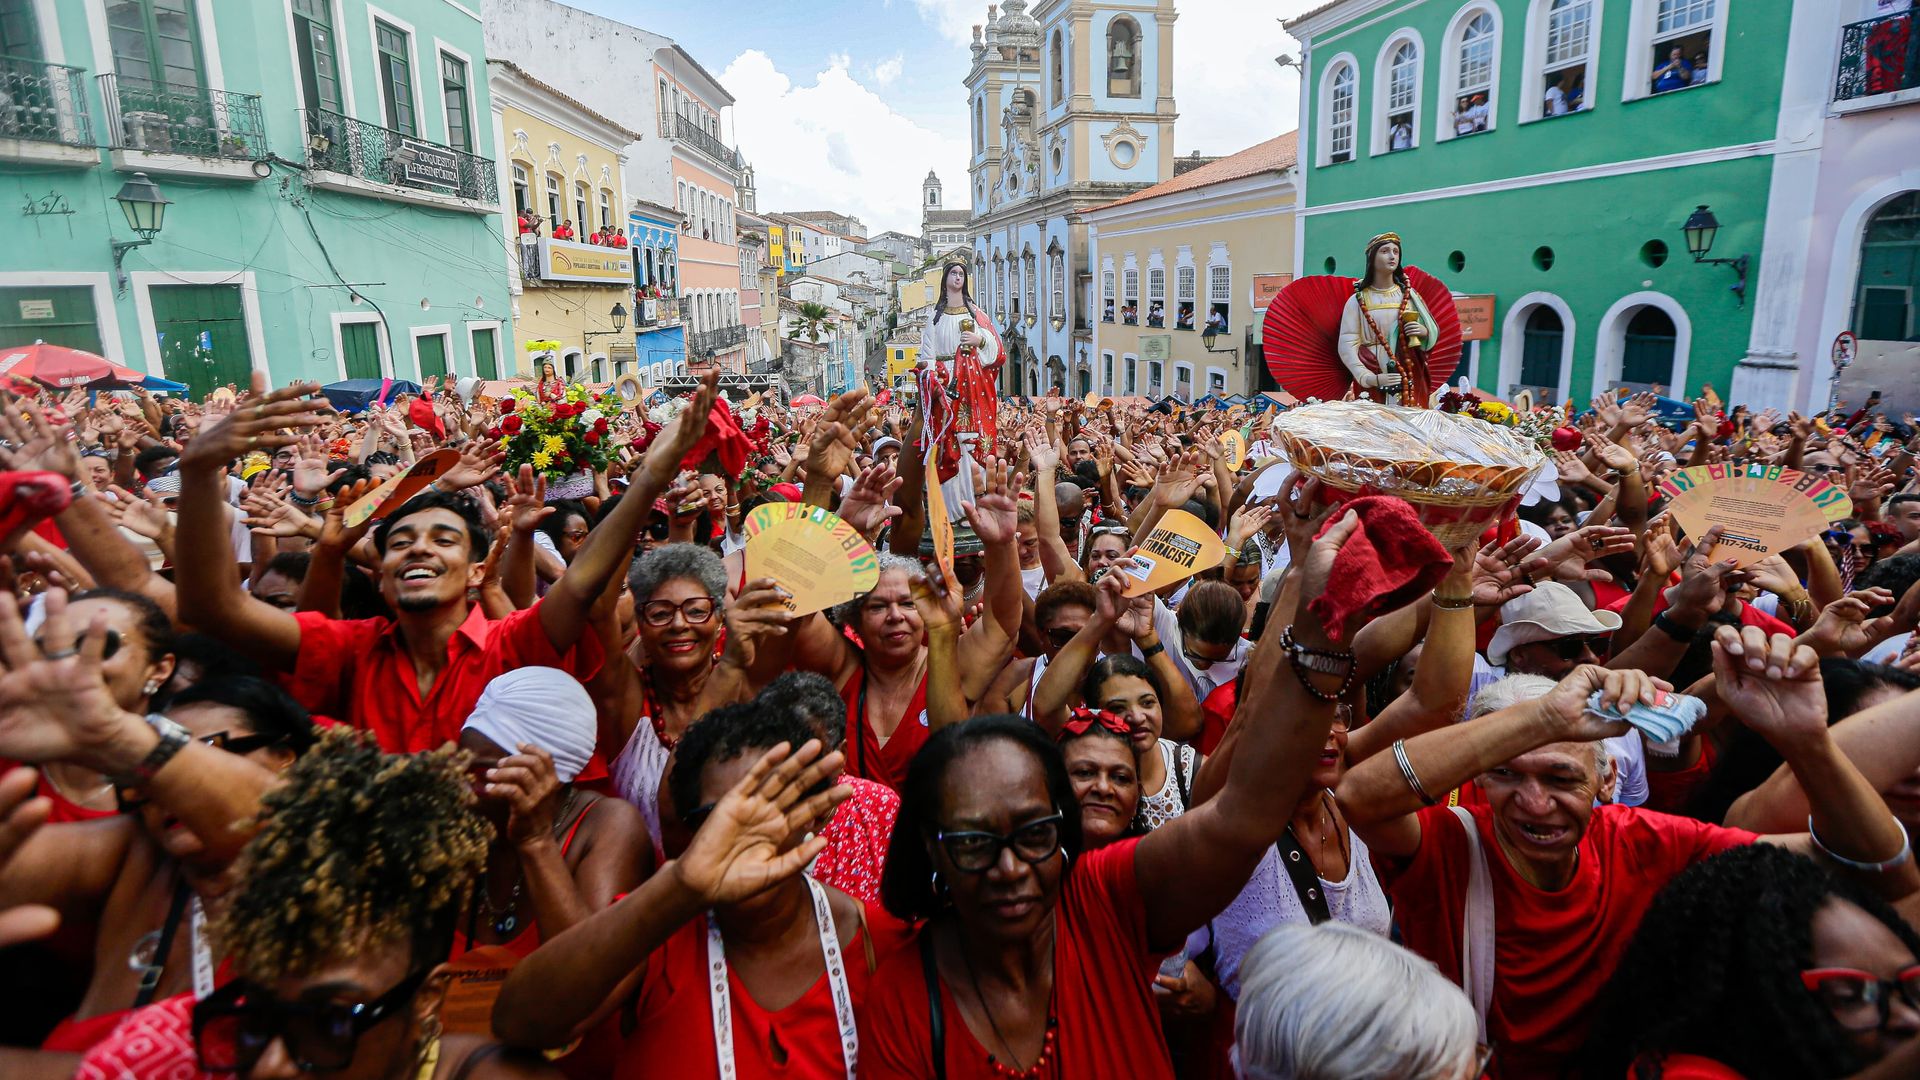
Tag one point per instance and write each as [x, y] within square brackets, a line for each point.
[1166, 804]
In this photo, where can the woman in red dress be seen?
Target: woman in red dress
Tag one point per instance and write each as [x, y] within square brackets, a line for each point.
[551, 387]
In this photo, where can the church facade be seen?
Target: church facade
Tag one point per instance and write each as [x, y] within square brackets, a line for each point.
[1071, 106]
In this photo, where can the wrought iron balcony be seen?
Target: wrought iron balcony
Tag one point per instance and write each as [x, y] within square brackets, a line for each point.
[716, 340]
[43, 102]
[700, 139]
[341, 144]
[172, 118]
[1876, 57]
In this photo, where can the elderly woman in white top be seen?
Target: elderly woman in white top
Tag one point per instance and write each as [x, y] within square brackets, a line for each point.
[1334, 1002]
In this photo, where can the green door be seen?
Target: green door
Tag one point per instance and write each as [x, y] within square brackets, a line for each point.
[485, 363]
[360, 348]
[431, 352]
[203, 336]
[1648, 354]
[57, 316]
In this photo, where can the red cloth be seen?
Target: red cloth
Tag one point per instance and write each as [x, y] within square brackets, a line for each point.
[359, 670]
[420, 411]
[1689, 1067]
[1215, 714]
[857, 837]
[722, 440]
[865, 756]
[1554, 951]
[154, 1043]
[1749, 615]
[1390, 559]
[1107, 1023]
[27, 498]
[673, 1032]
[73, 1036]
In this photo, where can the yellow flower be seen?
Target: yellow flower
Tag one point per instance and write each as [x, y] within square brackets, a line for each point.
[554, 444]
[542, 459]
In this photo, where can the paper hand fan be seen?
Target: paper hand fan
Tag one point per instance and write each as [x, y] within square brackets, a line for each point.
[816, 557]
[1179, 547]
[1443, 353]
[1762, 509]
[400, 487]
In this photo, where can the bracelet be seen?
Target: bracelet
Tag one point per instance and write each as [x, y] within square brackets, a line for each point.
[1148, 652]
[173, 738]
[1672, 629]
[1304, 660]
[77, 489]
[298, 500]
[1900, 859]
[1451, 603]
[1233, 555]
[1407, 773]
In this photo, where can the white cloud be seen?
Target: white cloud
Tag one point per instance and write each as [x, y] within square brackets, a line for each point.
[836, 145]
[953, 18]
[886, 72]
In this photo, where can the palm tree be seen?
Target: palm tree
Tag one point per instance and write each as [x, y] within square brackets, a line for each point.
[813, 318]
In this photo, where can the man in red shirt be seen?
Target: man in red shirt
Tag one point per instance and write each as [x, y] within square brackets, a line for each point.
[412, 679]
[565, 231]
[1567, 882]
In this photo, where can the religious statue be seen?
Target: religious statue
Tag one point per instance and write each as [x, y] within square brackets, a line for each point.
[1386, 330]
[959, 351]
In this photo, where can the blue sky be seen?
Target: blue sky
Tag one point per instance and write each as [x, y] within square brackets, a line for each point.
[845, 104]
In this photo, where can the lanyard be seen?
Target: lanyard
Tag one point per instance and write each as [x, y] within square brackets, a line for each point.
[202, 955]
[722, 996]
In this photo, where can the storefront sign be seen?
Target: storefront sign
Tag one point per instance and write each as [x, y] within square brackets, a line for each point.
[1265, 288]
[434, 166]
[36, 309]
[1476, 316]
[565, 260]
[1156, 347]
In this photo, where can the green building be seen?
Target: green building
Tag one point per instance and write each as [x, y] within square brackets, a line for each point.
[331, 197]
[1544, 156]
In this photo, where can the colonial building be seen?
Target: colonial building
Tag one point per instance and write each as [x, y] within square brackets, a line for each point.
[1071, 107]
[659, 339]
[330, 193]
[1185, 270]
[939, 227]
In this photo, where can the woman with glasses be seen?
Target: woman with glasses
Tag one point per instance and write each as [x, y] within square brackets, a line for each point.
[1757, 964]
[337, 934]
[730, 961]
[675, 675]
[1033, 952]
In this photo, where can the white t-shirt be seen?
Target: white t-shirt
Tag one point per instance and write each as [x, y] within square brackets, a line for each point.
[1629, 754]
[1556, 101]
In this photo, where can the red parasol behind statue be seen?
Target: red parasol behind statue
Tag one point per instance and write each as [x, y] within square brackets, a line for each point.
[1302, 332]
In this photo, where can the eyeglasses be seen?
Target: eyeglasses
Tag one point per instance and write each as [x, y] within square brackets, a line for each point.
[1060, 636]
[974, 852]
[133, 798]
[1573, 648]
[1861, 1000]
[697, 611]
[1199, 662]
[234, 1026]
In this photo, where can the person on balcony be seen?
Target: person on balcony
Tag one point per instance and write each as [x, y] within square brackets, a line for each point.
[565, 231]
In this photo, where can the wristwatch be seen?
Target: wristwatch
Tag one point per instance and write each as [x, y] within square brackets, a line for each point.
[1148, 652]
[173, 738]
[1318, 661]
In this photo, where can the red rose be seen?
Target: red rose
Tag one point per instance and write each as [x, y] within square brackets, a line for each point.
[600, 425]
[593, 437]
[506, 404]
[510, 424]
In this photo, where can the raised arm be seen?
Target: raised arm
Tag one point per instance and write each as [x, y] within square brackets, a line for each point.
[1055, 559]
[1059, 685]
[985, 645]
[938, 597]
[1441, 681]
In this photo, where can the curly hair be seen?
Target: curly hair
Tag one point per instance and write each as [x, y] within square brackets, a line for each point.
[1714, 970]
[670, 562]
[745, 729]
[358, 849]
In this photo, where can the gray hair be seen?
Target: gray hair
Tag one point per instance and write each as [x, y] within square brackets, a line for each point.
[1520, 689]
[843, 613]
[673, 561]
[1335, 1002]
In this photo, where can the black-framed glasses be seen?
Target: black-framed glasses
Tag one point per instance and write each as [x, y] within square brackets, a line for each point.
[1861, 1000]
[696, 610]
[133, 798]
[1199, 662]
[236, 1024]
[974, 851]
[1573, 648]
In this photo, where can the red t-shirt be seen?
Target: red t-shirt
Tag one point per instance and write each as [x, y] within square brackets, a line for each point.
[1689, 1067]
[1106, 1023]
[1749, 616]
[1553, 951]
[673, 1017]
[865, 756]
[359, 670]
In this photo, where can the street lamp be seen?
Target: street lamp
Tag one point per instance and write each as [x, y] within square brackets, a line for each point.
[146, 211]
[619, 317]
[1700, 230]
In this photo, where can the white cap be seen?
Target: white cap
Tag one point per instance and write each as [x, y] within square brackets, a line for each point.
[1551, 611]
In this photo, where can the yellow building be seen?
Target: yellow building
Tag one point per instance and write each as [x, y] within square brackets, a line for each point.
[560, 169]
[903, 355]
[1182, 275]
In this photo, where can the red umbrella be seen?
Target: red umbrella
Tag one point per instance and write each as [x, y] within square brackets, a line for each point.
[1303, 325]
[806, 399]
[57, 365]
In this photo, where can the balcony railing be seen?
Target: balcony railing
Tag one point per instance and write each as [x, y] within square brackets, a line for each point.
[341, 144]
[1877, 57]
[700, 139]
[716, 340]
[43, 102]
[171, 118]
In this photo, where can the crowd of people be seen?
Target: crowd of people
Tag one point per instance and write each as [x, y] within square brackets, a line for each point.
[498, 784]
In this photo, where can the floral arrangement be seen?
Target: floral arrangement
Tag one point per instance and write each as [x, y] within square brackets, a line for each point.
[1539, 425]
[558, 438]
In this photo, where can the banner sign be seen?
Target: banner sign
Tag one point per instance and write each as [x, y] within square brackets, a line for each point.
[565, 260]
[434, 166]
[1476, 316]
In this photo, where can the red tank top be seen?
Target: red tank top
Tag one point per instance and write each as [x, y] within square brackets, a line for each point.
[866, 757]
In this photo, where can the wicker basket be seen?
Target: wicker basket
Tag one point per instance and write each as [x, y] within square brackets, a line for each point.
[1460, 474]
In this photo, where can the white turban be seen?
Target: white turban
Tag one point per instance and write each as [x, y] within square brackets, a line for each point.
[541, 706]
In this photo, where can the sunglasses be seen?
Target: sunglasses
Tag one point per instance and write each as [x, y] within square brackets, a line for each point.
[235, 1026]
[1059, 636]
[1572, 648]
[974, 852]
[132, 798]
[697, 611]
[1861, 1000]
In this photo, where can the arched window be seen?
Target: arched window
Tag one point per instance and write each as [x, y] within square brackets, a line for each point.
[1059, 68]
[522, 198]
[1544, 337]
[1402, 97]
[1467, 91]
[1648, 354]
[1337, 132]
[1123, 58]
[1564, 44]
[1884, 308]
[979, 125]
[606, 209]
[554, 188]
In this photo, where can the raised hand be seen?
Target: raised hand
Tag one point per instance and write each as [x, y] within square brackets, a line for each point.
[1497, 573]
[33, 441]
[939, 599]
[1565, 706]
[757, 612]
[1772, 685]
[662, 460]
[1043, 454]
[868, 507]
[526, 504]
[272, 420]
[1638, 409]
[1247, 522]
[995, 514]
[1607, 408]
[479, 462]
[1615, 455]
[1572, 470]
[737, 852]
[333, 528]
[54, 701]
[1301, 514]
[528, 785]
[1566, 558]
